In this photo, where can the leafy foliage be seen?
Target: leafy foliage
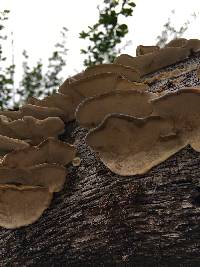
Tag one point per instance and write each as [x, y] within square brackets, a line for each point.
[169, 32]
[107, 33]
[35, 82]
[6, 72]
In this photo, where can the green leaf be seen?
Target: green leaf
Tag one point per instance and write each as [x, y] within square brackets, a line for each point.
[132, 4]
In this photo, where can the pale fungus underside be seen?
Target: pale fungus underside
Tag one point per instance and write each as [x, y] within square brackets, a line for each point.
[22, 205]
[135, 130]
[130, 146]
[183, 107]
[134, 103]
[152, 62]
[49, 151]
[36, 175]
[30, 128]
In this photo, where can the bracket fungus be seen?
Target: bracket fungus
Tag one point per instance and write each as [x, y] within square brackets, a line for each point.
[151, 62]
[130, 146]
[144, 49]
[131, 102]
[122, 69]
[192, 44]
[178, 42]
[30, 128]
[183, 107]
[11, 114]
[8, 144]
[100, 84]
[49, 151]
[66, 103]
[22, 205]
[92, 85]
[41, 112]
[51, 176]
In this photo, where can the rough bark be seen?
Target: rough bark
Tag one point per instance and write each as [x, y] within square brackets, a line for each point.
[102, 219]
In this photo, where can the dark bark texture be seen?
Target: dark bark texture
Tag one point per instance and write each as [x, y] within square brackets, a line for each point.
[102, 219]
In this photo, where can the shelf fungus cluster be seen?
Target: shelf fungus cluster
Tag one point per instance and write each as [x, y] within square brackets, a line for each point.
[130, 128]
[32, 165]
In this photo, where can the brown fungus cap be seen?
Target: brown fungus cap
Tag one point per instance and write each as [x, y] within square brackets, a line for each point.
[49, 151]
[93, 110]
[130, 146]
[152, 62]
[41, 112]
[183, 107]
[8, 144]
[100, 84]
[178, 42]
[30, 128]
[125, 84]
[51, 176]
[66, 103]
[122, 69]
[93, 85]
[192, 45]
[22, 205]
[12, 114]
[146, 49]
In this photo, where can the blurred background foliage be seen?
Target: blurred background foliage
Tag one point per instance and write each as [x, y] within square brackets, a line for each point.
[104, 40]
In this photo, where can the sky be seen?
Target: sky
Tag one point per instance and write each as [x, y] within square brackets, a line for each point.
[36, 25]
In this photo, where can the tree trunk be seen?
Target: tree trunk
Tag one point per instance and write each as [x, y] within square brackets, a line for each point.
[102, 219]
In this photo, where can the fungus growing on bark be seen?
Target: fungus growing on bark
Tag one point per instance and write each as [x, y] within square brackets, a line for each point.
[22, 205]
[121, 69]
[130, 146]
[92, 85]
[154, 61]
[41, 112]
[145, 49]
[51, 176]
[183, 107]
[49, 151]
[134, 103]
[31, 128]
[125, 84]
[178, 42]
[12, 114]
[192, 44]
[100, 84]
[66, 103]
[8, 144]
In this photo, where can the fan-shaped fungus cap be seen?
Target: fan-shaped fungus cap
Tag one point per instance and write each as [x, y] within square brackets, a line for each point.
[193, 45]
[125, 84]
[146, 49]
[49, 151]
[66, 103]
[154, 61]
[22, 205]
[183, 107]
[121, 69]
[8, 144]
[31, 128]
[93, 85]
[51, 176]
[178, 42]
[93, 110]
[41, 112]
[12, 114]
[130, 146]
